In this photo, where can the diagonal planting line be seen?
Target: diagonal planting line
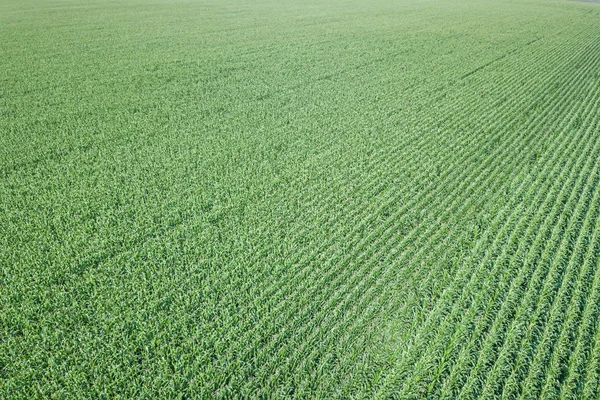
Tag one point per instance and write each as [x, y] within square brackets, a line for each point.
[332, 296]
[559, 364]
[538, 277]
[568, 248]
[537, 244]
[584, 318]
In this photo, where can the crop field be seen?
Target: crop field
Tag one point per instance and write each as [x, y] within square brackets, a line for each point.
[300, 199]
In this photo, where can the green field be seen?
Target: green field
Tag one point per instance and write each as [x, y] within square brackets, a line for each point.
[299, 199]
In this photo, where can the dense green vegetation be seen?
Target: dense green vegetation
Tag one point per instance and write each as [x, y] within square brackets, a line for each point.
[275, 199]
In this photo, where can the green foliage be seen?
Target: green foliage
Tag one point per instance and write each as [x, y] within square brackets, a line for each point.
[278, 199]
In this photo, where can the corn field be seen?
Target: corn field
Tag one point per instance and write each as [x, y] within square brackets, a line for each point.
[225, 199]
